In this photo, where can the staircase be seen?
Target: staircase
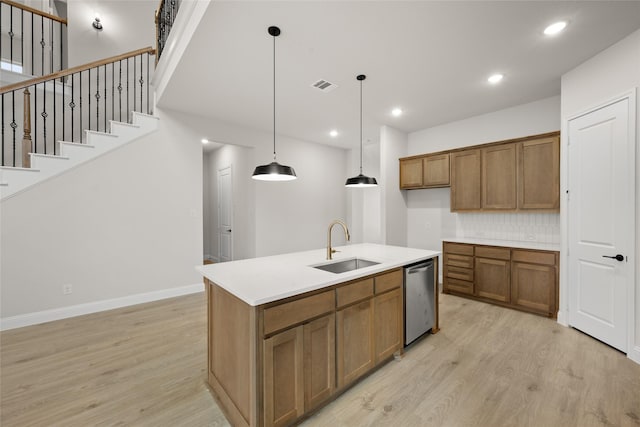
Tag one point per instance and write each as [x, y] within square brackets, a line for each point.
[71, 154]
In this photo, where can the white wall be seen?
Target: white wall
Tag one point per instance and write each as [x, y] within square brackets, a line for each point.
[602, 78]
[393, 145]
[240, 159]
[293, 216]
[122, 32]
[124, 224]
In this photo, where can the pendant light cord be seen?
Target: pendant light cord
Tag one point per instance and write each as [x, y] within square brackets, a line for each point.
[274, 98]
[360, 127]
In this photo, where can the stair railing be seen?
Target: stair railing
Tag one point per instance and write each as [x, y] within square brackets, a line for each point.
[165, 16]
[32, 42]
[67, 103]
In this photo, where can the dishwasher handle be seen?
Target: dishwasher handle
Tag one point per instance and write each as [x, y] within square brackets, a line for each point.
[419, 270]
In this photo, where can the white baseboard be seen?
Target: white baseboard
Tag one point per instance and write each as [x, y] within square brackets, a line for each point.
[94, 307]
[562, 318]
[634, 354]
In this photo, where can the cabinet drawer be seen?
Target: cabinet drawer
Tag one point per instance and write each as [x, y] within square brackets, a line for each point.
[458, 248]
[458, 272]
[456, 260]
[493, 252]
[287, 314]
[387, 281]
[533, 257]
[355, 291]
[461, 286]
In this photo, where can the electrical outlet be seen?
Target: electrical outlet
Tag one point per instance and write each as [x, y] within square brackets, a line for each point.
[67, 289]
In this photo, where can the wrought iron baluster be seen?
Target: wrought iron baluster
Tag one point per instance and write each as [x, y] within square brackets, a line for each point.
[127, 90]
[44, 116]
[26, 137]
[51, 42]
[2, 108]
[72, 105]
[113, 102]
[35, 118]
[134, 84]
[120, 89]
[89, 96]
[33, 48]
[141, 82]
[13, 124]
[11, 34]
[63, 100]
[148, 83]
[61, 52]
[42, 44]
[53, 83]
[97, 95]
[22, 40]
[81, 128]
[104, 72]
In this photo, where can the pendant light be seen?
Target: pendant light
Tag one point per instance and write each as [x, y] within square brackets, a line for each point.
[274, 171]
[361, 180]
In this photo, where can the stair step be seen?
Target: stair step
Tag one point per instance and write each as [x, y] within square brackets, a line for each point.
[48, 163]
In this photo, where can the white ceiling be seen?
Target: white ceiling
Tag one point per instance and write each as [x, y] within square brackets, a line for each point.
[431, 58]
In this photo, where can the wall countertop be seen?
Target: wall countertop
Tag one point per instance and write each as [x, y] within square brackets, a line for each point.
[505, 243]
[261, 280]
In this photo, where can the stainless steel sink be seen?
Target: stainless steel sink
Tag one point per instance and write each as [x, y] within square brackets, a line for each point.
[346, 265]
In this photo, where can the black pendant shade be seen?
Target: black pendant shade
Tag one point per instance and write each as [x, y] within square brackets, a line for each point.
[274, 171]
[361, 180]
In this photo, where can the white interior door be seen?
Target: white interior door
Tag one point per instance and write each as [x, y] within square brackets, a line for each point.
[225, 215]
[600, 216]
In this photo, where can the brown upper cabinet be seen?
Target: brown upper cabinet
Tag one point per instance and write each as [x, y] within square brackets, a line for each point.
[539, 173]
[499, 177]
[520, 174]
[465, 180]
[428, 171]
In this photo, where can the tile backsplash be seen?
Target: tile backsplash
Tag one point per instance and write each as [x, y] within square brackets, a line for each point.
[531, 227]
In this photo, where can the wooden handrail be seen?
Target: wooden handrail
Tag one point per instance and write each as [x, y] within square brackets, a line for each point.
[35, 11]
[77, 69]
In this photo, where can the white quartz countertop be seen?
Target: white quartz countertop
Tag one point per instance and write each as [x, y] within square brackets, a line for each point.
[258, 281]
[505, 243]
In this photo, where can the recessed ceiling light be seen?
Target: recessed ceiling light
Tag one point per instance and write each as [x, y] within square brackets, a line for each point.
[396, 112]
[333, 133]
[204, 140]
[496, 78]
[555, 28]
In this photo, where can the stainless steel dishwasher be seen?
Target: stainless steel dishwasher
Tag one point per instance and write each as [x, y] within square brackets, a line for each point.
[419, 297]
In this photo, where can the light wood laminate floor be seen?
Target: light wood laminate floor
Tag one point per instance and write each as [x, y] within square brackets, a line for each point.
[488, 366]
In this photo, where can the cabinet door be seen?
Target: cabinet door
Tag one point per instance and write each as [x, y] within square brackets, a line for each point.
[465, 180]
[499, 177]
[492, 279]
[411, 173]
[388, 324]
[436, 171]
[355, 351]
[319, 361]
[533, 287]
[539, 174]
[283, 377]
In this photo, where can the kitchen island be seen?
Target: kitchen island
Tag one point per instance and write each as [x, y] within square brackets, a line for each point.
[286, 337]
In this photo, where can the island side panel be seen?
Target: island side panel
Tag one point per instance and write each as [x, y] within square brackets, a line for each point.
[232, 355]
[436, 326]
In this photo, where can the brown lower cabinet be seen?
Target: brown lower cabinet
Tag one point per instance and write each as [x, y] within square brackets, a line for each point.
[272, 364]
[523, 279]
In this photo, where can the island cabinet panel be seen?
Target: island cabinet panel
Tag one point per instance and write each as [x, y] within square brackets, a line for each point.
[539, 174]
[231, 348]
[388, 281]
[411, 173]
[283, 377]
[388, 324]
[436, 171]
[319, 361]
[355, 341]
[499, 177]
[354, 291]
[465, 181]
[290, 313]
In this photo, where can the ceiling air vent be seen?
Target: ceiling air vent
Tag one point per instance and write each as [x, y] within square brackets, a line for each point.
[324, 85]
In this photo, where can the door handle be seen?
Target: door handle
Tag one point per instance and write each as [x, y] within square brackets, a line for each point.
[618, 257]
[229, 230]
